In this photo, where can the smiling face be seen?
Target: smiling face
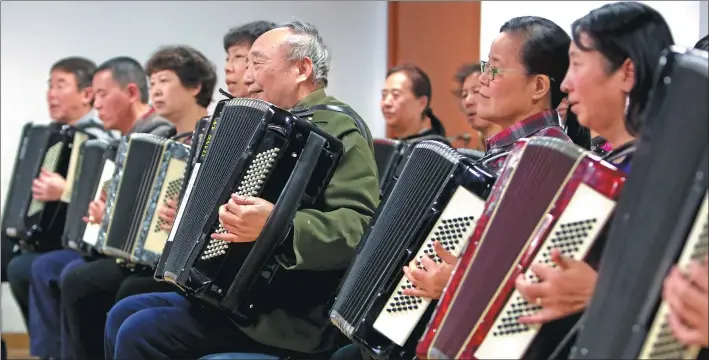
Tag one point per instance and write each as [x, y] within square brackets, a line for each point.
[596, 96]
[235, 68]
[168, 95]
[270, 75]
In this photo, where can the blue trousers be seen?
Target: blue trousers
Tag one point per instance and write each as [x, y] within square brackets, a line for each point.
[45, 324]
[19, 273]
[167, 326]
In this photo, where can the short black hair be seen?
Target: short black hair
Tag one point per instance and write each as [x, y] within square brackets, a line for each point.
[466, 70]
[627, 30]
[546, 52]
[126, 70]
[191, 66]
[246, 34]
[420, 86]
[83, 69]
[703, 43]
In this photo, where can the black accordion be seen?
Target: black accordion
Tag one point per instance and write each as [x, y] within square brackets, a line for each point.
[661, 220]
[149, 171]
[438, 196]
[387, 153]
[94, 168]
[41, 146]
[253, 149]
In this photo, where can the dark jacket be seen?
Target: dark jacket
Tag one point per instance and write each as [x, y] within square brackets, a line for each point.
[325, 239]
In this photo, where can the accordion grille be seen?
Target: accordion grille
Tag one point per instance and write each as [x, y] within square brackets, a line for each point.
[173, 190]
[421, 181]
[50, 163]
[238, 123]
[569, 240]
[661, 343]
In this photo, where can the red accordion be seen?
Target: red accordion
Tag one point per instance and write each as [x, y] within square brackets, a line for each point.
[550, 194]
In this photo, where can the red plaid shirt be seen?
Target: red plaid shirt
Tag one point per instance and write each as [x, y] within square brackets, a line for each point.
[545, 123]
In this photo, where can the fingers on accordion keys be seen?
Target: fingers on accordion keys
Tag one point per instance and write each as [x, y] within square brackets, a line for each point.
[538, 301]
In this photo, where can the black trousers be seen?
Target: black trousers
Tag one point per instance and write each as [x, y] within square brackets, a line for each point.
[7, 251]
[88, 293]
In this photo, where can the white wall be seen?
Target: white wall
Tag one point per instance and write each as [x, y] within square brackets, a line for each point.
[35, 34]
[703, 18]
[682, 16]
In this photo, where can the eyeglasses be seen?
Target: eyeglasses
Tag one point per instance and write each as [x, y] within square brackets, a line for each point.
[490, 70]
[493, 71]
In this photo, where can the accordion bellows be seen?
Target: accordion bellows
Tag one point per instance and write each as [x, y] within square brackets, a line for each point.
[254, 149]
[550, 194]
[659, 219]
[149, 171]
[438, 197]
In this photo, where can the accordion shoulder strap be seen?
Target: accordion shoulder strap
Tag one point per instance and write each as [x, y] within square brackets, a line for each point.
[359, 123]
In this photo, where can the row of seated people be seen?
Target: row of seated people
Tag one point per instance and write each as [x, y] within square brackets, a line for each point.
[533, 65]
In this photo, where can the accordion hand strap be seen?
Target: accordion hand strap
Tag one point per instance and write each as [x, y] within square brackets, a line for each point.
[359, 123]
[309, 111]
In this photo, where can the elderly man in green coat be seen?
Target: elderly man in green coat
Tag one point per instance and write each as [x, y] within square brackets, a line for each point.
[288, 67]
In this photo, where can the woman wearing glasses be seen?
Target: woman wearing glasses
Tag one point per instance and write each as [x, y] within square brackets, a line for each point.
[520, 90]
[521, 86]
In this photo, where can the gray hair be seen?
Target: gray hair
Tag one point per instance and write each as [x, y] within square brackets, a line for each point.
[307, 42]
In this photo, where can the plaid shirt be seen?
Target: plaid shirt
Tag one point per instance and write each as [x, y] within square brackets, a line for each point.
[545, 123]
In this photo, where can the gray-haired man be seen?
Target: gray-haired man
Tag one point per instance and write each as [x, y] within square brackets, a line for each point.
[288, 66]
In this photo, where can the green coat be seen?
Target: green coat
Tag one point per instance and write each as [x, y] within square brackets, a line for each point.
[325, 239]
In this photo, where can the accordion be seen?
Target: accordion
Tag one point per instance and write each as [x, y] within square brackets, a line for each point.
[89, 182]
[198, 137]
[386, 154]
[41, 146]
[79, 137]
[254, 149]
[655, 227]
[149, 172]
[438, 197]
[551, 194]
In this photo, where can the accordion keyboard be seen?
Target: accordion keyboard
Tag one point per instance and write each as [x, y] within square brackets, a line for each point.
[92, 230]
[660, 342]
[454, 227]
[573, 235]
[51, 158]
[250, 185]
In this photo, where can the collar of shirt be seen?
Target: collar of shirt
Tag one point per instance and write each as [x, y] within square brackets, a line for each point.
[522, 129]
